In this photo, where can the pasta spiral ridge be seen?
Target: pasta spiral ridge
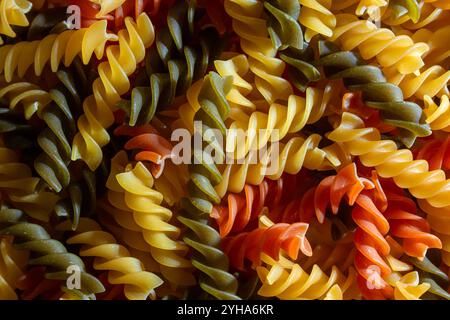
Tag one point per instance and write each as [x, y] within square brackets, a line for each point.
[430, 274]
[408, 117]
[436, 153]
[131, 190]
[250, 26]
[13, 13]
[405, 224]
[439, 4]
[279, 121]
[16, 60]
[108, 255]
[316, 17]
[21, 188]
[391, 51]
[372, 248]
[288, 280]
[172, 65]
[282, 24]
[430, 82]
[54, 140]
[279, 237]
[122, 60]
[290, 157]
[47, 251]
[438, 113]
[429, 186]
[207, 257]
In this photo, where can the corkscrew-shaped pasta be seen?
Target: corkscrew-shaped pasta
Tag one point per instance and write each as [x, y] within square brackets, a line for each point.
[391, 51]
[21, 188]
[405, 224]
[391, 162]
[430, 82]
[173, 64]
[212, 108]
[122, 60]
[376, 92]
[372, 248]
[316, 17]
[16, 59]
[132, 192]
[438, 114]
[12, 263]
[436, 153]
[288, 280]
[242, 209]
[279, 158]
[170, 178]
[439, 220]
[122, 268]
[80, 198]
[279, 121]
[46, 251]
[273, 240]
[27, 95]
[439, 52]
[250, 26]
[13, 13]
[430, 186]
[54, 140]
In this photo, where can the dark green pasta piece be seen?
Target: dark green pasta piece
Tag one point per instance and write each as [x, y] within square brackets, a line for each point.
[45, 251]
[435, 277]
[301, 72]
[282, 23]
[204, 240]
[173, 63]
[407, 117]
[17, 133]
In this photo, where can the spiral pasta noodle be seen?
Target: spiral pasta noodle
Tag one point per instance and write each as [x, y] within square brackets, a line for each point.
[122, 60]
[316, 16]
[48, 252]
[131, 192]
[377, 93]
[15, 59]
[255, 42]
[109, 255]
[399, 52]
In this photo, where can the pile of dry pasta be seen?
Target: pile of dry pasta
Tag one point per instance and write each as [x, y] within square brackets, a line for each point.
[224, 149]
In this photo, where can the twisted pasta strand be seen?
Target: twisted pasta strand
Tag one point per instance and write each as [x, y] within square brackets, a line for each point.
[288, 280]
[21, 188]
[16, 58]
[46, 251]
[250, 26]
[112, 83]
[116, 259]
[391, 51]
[430, 186]
[131, 191]
[376, 92]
